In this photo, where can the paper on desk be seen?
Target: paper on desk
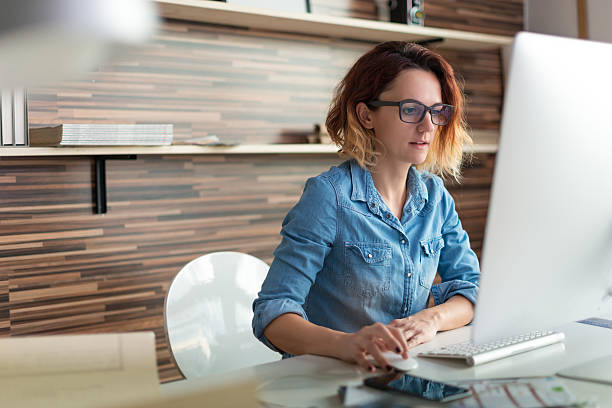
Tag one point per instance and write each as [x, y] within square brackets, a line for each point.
[92, 370]
[516, 393]
[239, 390]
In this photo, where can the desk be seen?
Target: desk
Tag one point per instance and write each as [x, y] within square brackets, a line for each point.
[313, 381]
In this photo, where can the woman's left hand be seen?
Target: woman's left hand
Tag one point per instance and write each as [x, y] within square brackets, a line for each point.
[417, 329]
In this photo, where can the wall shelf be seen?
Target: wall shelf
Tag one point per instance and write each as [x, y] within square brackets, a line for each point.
[191, 150]
[321, 25]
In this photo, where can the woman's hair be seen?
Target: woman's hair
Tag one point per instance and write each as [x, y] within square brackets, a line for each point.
[371, 75]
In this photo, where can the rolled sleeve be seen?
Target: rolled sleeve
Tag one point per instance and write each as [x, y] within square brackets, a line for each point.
[458, 267]
[269, 311]
[308, 232]
[446, 290]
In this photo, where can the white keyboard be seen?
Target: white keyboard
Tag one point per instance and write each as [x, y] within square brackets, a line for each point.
[475, 354]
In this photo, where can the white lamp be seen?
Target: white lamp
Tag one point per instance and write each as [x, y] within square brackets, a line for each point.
[43, 41]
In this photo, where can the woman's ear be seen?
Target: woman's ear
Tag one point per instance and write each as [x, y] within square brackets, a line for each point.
[364, 114]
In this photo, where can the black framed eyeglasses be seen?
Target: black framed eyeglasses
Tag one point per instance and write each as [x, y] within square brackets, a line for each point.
[413, 111]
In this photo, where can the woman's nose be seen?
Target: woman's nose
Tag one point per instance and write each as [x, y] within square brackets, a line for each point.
[427, 125]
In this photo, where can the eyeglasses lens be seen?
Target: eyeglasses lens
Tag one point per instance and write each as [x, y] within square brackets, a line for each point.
[411, 112]
[441, 115]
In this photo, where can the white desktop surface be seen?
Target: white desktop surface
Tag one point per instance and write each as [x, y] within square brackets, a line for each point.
[308, 381]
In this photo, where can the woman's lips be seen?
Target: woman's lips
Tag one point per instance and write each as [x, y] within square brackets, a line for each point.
[420, 145]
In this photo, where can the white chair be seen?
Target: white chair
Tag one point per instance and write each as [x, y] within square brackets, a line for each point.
[208, 313]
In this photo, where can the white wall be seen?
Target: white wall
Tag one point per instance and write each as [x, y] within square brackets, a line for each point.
[560, 17]
[599, 14]
[556, 17]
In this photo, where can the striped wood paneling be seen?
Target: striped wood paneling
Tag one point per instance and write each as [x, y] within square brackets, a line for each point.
[66, 270]
[245, 88]
[504, 17]
[472, 197]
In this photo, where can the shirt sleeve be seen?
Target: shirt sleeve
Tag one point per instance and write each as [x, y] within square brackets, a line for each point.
[308, 231]
[458, 266]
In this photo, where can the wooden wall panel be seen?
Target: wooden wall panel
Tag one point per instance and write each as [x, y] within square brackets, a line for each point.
[504, 17]
[472, 197]
[244, 87]
[253, 87]
[67, 270]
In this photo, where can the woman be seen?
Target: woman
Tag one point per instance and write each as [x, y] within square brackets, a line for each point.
[353, 274]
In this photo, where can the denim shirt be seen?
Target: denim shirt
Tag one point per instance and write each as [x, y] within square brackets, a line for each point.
[346, 261]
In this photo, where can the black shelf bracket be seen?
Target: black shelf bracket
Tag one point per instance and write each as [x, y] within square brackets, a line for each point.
[100, 179]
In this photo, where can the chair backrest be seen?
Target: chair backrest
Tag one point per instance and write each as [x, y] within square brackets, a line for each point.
[208, 313]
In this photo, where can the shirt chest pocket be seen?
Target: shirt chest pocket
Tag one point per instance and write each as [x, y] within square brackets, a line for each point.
[430, 257]
[367, 268]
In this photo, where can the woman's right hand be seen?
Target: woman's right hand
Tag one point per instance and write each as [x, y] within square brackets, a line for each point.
[373, 340]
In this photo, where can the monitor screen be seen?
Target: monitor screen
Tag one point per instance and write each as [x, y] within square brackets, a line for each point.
[547, 254]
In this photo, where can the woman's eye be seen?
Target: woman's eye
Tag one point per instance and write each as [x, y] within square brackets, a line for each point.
[408, 111]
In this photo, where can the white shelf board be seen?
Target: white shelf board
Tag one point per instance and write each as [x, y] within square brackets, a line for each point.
[165, 150]
[192, 150]
[321, 25]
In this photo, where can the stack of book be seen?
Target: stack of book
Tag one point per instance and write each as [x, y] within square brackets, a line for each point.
[13, 118]
[102, 135]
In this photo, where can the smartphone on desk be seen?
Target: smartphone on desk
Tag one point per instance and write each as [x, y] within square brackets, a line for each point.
[410, 385]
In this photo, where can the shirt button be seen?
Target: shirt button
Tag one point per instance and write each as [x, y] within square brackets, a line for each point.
[409, 274]
[403, 241]
[405, 309]
[369, 255]
[388, 216]
[372, 205]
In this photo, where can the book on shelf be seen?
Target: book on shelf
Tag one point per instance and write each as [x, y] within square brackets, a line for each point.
[20, 117]
[69, 134]
[13, 117]
[6, 130]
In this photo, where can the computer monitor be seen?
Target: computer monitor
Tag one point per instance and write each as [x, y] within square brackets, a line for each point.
[547, 253]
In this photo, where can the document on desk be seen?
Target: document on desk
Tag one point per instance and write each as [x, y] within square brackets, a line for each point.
[92, 370]
[516, 393]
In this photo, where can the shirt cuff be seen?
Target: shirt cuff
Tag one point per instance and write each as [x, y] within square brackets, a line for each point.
[270, 310]
[446, 290]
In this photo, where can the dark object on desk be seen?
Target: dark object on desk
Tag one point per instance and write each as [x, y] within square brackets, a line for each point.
[407, 12]
[418, 387]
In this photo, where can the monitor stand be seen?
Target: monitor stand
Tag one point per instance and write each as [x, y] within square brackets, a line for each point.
[597, 370]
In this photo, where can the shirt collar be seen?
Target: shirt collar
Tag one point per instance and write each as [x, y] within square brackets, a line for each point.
[415, 185]
[359, 180]
[363, 186]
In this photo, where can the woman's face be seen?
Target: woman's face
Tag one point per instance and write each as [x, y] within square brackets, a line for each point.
[406, 143]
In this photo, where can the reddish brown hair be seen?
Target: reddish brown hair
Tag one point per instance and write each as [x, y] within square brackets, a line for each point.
[371, 75]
